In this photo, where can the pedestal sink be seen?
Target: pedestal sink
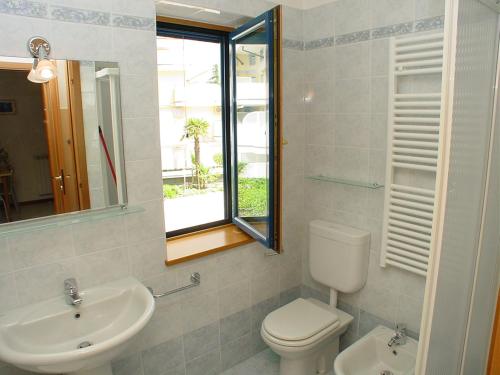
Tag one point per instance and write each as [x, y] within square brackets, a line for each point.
[371, 355]
[54, 338]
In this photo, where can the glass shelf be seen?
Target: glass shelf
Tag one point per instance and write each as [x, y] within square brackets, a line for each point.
[56, 221]
[368, 185]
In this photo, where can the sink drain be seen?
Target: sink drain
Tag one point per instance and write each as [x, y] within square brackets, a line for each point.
[386, 372]
[86, 344]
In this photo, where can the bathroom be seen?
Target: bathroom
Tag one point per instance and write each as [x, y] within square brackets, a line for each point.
[335, 93]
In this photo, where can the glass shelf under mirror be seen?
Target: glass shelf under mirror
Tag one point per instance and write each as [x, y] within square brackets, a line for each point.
[368, 185]
[56, 221]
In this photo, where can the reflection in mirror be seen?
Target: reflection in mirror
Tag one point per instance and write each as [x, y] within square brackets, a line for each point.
[252, 129]
[61, 141]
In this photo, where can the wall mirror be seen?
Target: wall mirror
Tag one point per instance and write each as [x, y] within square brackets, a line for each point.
[61, 146]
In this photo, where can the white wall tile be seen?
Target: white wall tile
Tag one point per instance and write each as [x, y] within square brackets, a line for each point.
[290, 272]
[352, 130]
[142, 8]
[138, 173]
[429, 8]
[352, 95]
[98, 235]
[147, 258]
[319, 22]
[234, 298]
[165, 325]
[82, 43]
[103, 266]
[43, 282]
[141, 138]
[199, 311]
[41, 247]
[6, 260]
[321, 129]
[145, 225]
[137, 99]
[352, 60]
[352, 15]
[18, 36]
[263, 286]
[390, 12]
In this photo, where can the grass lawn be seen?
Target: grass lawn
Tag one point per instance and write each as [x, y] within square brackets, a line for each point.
[252, 195]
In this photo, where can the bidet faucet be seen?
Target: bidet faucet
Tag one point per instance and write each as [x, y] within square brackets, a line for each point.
[399, 337]
[71, 292]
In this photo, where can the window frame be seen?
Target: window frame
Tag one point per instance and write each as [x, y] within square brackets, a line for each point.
[272, 22]
[273, 17]
[200, 33]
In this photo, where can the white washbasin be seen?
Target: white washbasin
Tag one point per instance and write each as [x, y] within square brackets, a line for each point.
[45, 337]
[371, 355]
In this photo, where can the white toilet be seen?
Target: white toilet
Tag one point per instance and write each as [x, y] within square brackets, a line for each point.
[305, 333]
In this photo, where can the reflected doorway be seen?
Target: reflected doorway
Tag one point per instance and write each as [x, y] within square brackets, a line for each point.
[43, 167]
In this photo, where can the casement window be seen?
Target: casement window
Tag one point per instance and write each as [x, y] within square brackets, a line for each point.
[220, 118]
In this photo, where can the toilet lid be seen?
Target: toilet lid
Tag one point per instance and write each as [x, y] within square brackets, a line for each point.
[298, 320]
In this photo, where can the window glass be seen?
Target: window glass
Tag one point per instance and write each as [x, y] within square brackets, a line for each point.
[252, 128]
[191, 125]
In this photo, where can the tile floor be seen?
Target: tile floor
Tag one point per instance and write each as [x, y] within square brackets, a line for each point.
[264, 363]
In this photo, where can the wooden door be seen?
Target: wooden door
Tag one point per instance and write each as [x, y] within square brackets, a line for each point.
[75, 102]
[51, 122]
[64, 123]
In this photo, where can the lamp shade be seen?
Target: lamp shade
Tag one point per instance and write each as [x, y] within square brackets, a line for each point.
[42, 71]
[33, 77]
[46, 70]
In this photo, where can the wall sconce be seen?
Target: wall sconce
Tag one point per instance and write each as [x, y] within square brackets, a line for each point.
[43, 69]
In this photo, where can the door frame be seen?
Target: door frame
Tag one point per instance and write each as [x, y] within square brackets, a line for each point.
[21, 66]
[52, 121]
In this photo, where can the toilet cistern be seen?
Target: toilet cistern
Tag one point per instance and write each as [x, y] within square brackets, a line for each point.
[305, 332]
[72, 296]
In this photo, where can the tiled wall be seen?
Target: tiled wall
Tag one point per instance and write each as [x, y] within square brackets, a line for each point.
[92, 142]
[335, 58]
[196, 332]
[346, 89]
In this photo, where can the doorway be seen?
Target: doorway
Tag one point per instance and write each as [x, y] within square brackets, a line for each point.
[43, 168]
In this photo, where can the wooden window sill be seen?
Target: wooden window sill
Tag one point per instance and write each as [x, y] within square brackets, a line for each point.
[199, 244]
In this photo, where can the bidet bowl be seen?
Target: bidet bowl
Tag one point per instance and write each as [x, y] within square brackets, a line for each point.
[371, 355]
[53, 337]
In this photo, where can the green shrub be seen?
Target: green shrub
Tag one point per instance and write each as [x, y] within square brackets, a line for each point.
[171, 191]
[218, 159]
[252, 197]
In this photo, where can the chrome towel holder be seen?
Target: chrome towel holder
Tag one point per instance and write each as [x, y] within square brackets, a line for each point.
[195, 281]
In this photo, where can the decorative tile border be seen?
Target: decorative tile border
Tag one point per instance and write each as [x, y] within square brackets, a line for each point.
[429, 24]
[25, 8]
[364, 35]
[293, 44]
[92, 17]
[28, 8]
[320, 43]
[358, 36]
[388, 31]
[132, 22]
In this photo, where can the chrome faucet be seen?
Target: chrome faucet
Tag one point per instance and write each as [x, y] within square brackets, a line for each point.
[399, 337]
[73, 298]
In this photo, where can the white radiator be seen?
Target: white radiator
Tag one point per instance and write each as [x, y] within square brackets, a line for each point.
[44, 178]
[413, 142]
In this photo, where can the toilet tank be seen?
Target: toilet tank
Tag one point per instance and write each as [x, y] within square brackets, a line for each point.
[338, 255]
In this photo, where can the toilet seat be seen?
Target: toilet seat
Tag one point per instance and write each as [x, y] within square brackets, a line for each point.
[299, 323]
